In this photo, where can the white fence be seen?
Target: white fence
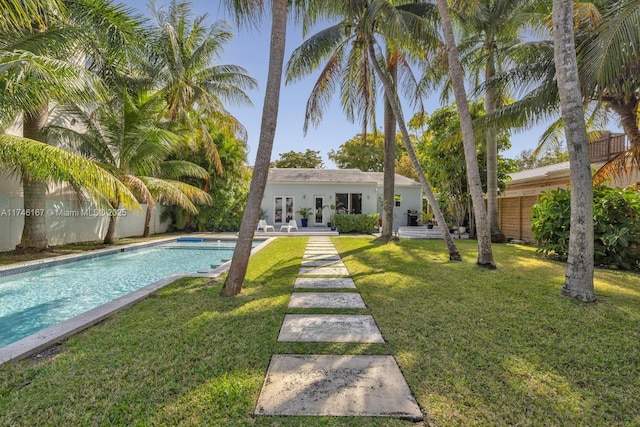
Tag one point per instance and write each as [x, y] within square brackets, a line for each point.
[68, 219]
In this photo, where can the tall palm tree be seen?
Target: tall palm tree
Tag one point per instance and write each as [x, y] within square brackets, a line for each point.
[579, 274]
[186, 70]
[608, 74]
[40, 64]
[485, 252]
[349, 48]
[389, 168]
[489, 46]
[242, 252]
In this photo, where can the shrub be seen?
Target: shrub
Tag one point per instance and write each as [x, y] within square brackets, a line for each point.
[358, 223]
[616, 226]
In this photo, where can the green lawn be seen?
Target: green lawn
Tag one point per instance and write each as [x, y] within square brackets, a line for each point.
[477, 347]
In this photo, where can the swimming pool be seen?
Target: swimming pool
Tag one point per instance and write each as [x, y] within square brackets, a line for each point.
[34, 300]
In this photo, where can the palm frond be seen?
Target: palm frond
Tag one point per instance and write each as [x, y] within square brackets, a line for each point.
[176, 169]
[47, 163]
[313, 51]
[323, 89]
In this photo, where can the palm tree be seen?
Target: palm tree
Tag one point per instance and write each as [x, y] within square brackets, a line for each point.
[485, 253]
[184, 64]
[351, 60]
[46, 163]
[579, 275]
[242, 252]
[389, 168]
[40, 63]
[489, 45]
[126, 136]
[609, 74]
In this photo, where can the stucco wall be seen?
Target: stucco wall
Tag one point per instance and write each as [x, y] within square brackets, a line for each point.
[68, 221]
[411, 199]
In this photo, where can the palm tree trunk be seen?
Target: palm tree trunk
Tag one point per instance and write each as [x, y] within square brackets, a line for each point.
[147, 222]
[390, 94]
[242, 252]
[628, 119]
[110, 237]
[485, 252]
[389, 168]
[34, 232]
[491, 103]
[579, 275]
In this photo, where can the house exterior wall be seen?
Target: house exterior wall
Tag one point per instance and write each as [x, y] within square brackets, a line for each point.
[67, 220]
[304, 195]
[411, 199]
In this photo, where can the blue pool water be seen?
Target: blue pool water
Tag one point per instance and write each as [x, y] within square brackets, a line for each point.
[35, 300]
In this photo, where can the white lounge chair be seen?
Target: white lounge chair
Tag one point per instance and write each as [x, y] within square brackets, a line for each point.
[291, 224]
[262, 224]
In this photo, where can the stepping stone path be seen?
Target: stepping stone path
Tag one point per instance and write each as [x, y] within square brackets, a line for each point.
[332, 385]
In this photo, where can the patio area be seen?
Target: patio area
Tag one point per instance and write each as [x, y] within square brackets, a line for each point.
[302, 231]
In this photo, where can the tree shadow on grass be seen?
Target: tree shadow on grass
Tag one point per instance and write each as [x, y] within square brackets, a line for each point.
[502, 347]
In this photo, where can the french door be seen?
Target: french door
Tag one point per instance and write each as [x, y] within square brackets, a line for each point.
[282, 209]
[318, 212]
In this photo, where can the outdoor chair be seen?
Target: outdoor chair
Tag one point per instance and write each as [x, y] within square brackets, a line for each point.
[262, 224]
[291, 224]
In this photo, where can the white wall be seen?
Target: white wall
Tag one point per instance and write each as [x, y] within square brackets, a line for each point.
[68, 221]
[304, 195]
[411, 199]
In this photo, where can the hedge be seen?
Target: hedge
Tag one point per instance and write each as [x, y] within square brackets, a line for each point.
[356, 223]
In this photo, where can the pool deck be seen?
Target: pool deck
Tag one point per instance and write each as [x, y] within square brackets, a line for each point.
[47, 337]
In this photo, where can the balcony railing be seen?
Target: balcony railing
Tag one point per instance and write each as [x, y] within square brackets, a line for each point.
[607, 147]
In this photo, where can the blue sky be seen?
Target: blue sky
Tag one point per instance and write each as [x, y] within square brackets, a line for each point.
[250, 49]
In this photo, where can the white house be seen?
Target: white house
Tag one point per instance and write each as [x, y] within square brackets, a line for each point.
[348, 190]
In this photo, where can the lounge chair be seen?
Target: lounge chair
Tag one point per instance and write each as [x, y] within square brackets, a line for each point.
[291, 224]
[262, 224]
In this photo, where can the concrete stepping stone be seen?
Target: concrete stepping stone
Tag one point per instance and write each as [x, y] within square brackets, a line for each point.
[322, 263]
[320, 245]
[326, 300]
[323, 271]
[320, 256]
[320, 252]
[324, 283]
[330, 328]
[326, 385]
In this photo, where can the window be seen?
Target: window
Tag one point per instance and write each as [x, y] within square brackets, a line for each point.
[355, 203]
[348, 203]
[398, 199]
[342, 203]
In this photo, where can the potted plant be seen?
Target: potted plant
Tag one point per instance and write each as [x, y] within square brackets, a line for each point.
[332, 208]
[427, 218]
[304, 213]
[331, 224]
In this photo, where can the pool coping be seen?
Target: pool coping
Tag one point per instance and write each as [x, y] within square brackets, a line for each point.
[45, 338]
